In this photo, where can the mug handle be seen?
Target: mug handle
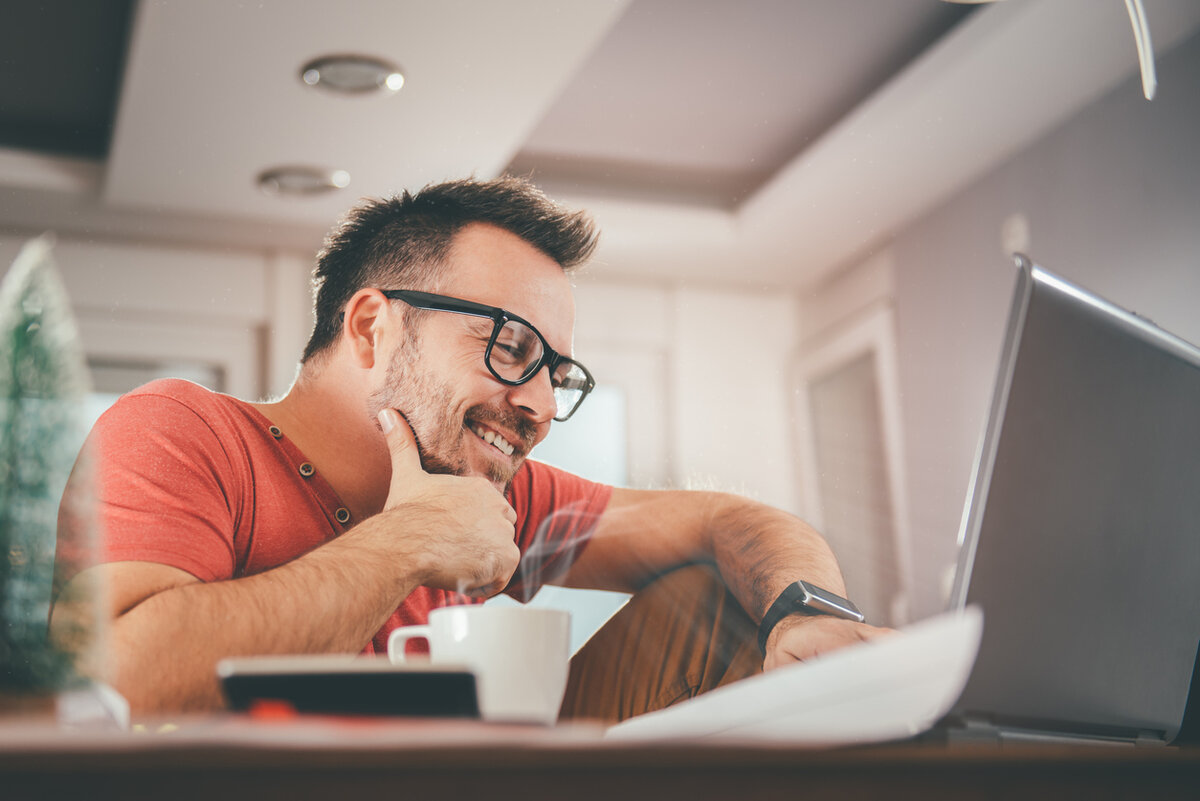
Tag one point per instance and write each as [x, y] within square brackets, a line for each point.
[400, 637]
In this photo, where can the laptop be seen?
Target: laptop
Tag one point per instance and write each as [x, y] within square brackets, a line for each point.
[1080, 538]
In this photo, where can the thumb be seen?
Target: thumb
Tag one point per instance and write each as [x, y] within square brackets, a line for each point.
[401, 442]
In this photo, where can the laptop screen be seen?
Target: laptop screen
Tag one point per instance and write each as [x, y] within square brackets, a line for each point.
[1081, 533]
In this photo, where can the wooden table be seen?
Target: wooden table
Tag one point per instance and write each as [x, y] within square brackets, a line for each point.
[340, 759]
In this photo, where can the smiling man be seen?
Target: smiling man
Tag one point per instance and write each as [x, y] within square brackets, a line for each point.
[394, 478]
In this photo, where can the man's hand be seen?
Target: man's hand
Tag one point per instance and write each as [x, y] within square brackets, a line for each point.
[797, 638]
[465, 527]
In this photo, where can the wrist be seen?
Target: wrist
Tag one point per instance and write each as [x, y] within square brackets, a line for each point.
[385, 556]
[784, 625]
[799, 600]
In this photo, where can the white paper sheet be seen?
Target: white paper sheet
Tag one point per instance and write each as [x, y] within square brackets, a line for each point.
[888, 688]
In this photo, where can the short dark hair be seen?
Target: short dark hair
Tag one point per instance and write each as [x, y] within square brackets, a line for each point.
[401, 242]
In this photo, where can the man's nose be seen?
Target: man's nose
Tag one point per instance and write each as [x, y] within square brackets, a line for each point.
[535, 397]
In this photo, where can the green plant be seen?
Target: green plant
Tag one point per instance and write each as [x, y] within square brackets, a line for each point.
[43, 381]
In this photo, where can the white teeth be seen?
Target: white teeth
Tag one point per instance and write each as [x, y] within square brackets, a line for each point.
[494, 439]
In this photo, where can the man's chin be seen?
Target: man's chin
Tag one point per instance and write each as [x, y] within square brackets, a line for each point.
[502, 477]
[497, 471]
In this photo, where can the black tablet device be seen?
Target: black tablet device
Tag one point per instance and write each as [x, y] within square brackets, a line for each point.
[337, 685]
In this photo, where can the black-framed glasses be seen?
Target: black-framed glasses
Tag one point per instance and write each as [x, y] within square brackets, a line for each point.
[516, 351]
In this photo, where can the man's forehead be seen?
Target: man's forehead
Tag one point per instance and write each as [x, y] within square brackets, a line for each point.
[496, 267]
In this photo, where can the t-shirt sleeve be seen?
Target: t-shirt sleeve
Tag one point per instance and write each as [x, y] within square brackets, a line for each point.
[556, 515]
[167, 490]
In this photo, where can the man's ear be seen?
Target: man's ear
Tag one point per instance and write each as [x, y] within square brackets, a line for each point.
[368, 314]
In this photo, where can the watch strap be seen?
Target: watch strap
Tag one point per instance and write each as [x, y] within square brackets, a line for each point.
[793, 601]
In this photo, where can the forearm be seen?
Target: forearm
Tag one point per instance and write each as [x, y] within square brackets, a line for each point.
[760, 550]
[163, 651]
[757, 549]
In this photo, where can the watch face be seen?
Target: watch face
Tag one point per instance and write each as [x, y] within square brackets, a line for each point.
[826, 602]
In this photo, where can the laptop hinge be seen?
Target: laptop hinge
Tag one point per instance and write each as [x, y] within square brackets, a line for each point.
[1150, 738]
[982, 729]
[968, 729]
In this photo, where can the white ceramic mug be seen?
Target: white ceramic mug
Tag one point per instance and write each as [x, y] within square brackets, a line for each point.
[519, 656]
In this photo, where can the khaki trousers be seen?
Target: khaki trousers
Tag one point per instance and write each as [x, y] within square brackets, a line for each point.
[682, 635]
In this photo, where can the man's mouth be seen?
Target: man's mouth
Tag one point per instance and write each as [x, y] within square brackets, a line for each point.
[493, 438]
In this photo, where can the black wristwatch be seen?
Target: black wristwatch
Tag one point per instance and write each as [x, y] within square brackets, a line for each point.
[805, 599]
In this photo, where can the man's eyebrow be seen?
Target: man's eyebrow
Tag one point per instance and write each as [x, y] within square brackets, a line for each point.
[483, 324]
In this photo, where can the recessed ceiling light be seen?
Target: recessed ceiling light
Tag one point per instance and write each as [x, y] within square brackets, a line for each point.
[352, 74]
[302, 180]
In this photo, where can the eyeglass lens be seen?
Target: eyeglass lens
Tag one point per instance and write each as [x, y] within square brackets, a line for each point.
[517, 352]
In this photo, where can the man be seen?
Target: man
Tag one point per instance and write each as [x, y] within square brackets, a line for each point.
[392, 478]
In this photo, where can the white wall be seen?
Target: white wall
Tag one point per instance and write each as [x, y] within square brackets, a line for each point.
[731, 389]
[248, 313]
[852, 468]
[623, 335]
[1113, 202]
[706, 371]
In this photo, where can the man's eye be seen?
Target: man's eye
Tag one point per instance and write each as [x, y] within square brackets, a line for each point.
[516, 346]
[509, 351]
[569, 382]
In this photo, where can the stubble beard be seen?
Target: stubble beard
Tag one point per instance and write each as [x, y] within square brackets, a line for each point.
[427, 405]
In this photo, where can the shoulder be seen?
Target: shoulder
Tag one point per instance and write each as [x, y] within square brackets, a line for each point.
[185, 393]
[173, 416]
[177, 400]
[557, 512]
[538, 484]
[534, 473]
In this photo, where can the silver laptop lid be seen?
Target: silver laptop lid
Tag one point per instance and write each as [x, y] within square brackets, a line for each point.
[1081, 532]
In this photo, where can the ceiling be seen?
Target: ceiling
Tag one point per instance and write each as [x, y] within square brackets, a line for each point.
[763, 142]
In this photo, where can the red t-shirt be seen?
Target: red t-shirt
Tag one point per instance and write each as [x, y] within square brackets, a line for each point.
[203, 482]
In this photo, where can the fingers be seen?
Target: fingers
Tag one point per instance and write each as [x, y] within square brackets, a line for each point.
[487, 590]
[462, 520]
[810, 637]
[401, 442]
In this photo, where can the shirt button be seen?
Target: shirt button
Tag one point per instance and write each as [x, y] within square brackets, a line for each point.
[342, 515]
[307, 469]
[275, 432]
